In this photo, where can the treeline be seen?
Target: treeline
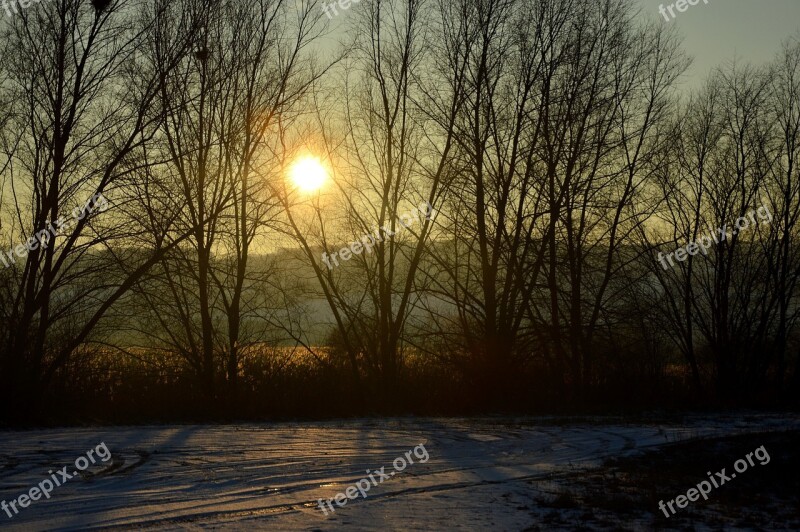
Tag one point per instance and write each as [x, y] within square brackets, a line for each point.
[552, 139]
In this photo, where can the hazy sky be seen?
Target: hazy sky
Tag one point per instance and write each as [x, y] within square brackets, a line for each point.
[751, 30]
[713, 33]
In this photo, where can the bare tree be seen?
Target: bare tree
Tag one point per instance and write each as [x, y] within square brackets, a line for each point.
[390, 173]
[80, 117]
[247, 72]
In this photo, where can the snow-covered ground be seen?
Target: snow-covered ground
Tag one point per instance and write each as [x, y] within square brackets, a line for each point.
[270, 476]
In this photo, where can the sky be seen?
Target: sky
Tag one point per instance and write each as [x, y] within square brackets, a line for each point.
[713, 33]
[718, 32]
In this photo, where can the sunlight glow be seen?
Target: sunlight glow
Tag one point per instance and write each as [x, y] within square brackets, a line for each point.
[308, 174]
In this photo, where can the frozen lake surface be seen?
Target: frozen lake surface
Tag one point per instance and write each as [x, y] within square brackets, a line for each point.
[482, 473]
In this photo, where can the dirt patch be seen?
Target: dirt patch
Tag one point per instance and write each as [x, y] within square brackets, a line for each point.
[625, 493]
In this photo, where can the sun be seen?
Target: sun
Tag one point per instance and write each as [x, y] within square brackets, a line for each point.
[308, 174]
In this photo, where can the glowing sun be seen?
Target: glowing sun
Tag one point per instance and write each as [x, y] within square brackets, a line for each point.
[308, 174]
